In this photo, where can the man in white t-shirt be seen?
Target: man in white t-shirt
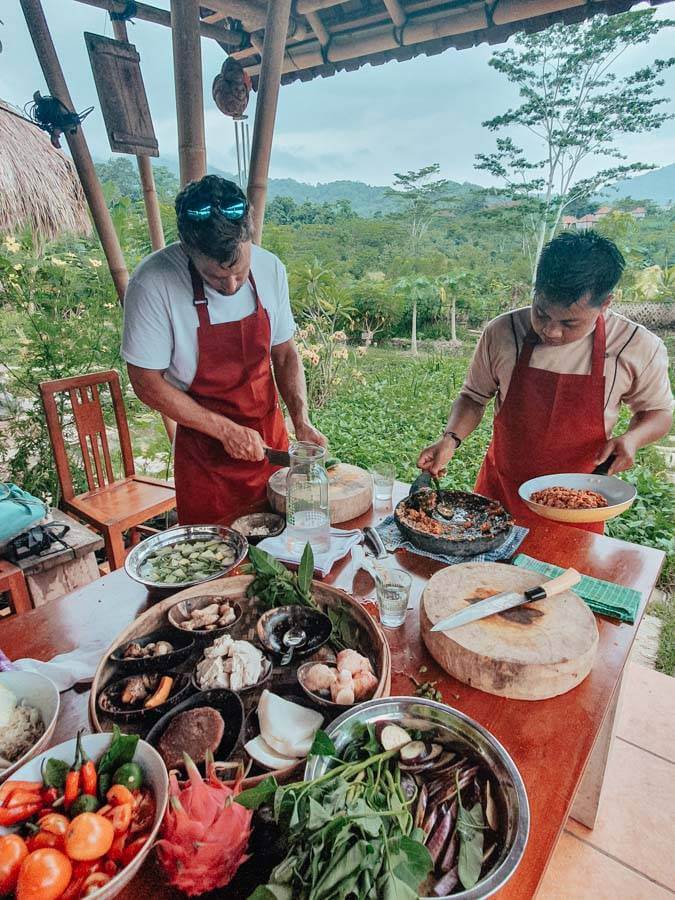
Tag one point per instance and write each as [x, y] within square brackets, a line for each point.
[559, 372]
[208, 338]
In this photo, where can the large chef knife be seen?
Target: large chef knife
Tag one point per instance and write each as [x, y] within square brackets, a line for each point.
[278, 457]
[508, 600]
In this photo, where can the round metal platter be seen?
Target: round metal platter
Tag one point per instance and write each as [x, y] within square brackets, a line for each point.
[135, 561]
[617, 492]
[412, 712]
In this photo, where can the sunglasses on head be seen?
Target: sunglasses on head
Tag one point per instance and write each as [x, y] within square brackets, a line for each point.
[234, 211]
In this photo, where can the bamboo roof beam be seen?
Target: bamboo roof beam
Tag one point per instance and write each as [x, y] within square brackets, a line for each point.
[318, 28]
[251, 13]
[147, 13]
[187, 69]
[309, 6]
[396, 12]
[56, 84]
[276, 28]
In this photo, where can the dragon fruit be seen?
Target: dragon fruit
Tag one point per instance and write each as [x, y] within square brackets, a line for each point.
[204, 834]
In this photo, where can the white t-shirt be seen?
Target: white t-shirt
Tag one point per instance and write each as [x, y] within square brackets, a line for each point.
[160, 319]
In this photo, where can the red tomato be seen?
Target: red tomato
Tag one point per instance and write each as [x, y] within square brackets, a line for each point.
[55, 823]
[44, 875]
[13, 851]
[42, 839]
[89, 836]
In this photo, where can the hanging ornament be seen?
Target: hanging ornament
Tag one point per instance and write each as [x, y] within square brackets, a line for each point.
[52, 116]
[231, 88]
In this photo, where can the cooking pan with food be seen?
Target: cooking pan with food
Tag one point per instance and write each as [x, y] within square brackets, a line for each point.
[451, 523]
[573, 495]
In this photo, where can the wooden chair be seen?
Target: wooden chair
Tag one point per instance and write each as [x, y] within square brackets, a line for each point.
[110, 506]
[13, 583]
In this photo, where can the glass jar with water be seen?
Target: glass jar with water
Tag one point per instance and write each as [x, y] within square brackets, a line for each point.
[307, 515]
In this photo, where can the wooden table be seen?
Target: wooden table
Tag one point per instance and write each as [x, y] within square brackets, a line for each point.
[551, 741]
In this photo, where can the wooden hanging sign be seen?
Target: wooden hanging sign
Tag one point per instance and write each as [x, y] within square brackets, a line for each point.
[121, 92]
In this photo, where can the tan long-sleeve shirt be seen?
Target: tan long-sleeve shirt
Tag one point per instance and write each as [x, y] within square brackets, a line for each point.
[636, 363]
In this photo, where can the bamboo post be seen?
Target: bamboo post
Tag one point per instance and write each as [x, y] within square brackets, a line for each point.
[145, 171]
[187, 68]
[266, 108]
[56, 84]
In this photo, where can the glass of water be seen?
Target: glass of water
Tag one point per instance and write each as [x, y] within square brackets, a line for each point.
[393, 591]
[383, 482]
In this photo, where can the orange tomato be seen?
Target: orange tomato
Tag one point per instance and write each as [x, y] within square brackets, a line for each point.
[55, 823]
[44, 875]
[118, 795]
[89, 836]
[13, 851]
[42, 839]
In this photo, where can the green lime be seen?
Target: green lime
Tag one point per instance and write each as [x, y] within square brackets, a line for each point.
[130, 775]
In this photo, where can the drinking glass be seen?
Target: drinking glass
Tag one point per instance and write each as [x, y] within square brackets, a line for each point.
[383, 482]
[393, 590]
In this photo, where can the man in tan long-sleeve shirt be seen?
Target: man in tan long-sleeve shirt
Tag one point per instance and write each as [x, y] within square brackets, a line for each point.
[559, 372]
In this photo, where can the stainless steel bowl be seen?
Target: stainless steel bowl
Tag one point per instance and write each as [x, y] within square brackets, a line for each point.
[405, 711]
[179, 535]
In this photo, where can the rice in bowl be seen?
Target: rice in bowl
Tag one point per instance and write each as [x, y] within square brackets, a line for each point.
[24, 730]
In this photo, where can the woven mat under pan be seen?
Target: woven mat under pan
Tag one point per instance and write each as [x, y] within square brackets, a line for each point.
[394, 540]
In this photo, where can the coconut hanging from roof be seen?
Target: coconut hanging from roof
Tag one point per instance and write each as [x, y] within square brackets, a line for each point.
[231, 89]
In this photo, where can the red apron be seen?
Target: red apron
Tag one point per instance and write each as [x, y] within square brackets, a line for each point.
[233, 378]
[549, 423]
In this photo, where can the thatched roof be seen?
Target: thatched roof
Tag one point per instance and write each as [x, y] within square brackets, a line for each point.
[39, 187]
[327, 36]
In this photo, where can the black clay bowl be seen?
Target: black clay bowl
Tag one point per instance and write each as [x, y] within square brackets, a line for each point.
[181, 611]
[109, 700]
[273, 625]
[258, 526]
[183, 642]
[227, 703]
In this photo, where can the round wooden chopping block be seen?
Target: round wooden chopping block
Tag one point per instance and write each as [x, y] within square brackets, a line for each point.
[350, 492]
[535, 651]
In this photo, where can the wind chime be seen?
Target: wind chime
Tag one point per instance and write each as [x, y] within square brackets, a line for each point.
[231, 90]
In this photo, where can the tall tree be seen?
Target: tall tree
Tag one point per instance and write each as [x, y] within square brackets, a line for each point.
[422, 197]
[577, 106]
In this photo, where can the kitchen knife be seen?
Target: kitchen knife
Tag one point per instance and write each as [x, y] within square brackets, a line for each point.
[374, 541]
[605, 466]
[278, 457]
[508, 600]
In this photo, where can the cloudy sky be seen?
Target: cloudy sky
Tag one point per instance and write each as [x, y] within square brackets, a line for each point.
[361, 125]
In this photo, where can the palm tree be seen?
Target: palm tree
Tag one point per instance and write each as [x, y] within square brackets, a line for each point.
[416, 288]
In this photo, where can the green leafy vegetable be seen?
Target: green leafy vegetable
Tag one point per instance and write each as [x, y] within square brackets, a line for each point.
[121, 750]
[306, 571]
[322, 745]
[54, 773]
[470, 827]
[260, 794]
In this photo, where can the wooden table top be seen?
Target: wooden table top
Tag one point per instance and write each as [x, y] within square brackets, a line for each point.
[549, 740]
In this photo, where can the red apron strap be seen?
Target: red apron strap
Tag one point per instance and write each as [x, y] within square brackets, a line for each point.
[599, 348]
[199, 296]
[254, 288]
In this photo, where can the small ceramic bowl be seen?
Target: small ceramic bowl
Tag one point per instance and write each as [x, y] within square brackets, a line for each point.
[227, 703]
[183, 642]
[109, 700]
[154, 775]
[265, 676]
[323, 700]
[274, 623]
[181, 611]
[258, 526]
[41, 693]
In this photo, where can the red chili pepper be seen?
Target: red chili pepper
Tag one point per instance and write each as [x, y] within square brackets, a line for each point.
[72, 788]
[10, 786]
[18, 813]
[21, 798]
[89, 777]
[49, 796]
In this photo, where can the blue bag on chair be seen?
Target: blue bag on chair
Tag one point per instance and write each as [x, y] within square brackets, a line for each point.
[19, 511]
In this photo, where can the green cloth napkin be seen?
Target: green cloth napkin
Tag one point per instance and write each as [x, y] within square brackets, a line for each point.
[602, 597]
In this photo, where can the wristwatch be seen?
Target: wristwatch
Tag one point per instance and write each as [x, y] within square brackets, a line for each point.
[457, 439]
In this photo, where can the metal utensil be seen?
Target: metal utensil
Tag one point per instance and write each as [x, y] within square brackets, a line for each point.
[372, 540]
[508, 600]
[604, 467]
[293, 638]
[278, 457]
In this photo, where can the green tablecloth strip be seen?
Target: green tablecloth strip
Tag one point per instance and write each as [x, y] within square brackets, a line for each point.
[602, 597]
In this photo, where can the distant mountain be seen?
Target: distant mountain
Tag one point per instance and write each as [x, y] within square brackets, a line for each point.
[658, 186]
[366, 199]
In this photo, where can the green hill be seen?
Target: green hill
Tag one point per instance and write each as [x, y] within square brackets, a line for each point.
[658, 186]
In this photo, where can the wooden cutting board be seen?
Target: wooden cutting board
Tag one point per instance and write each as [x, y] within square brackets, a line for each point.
[350, 492]
[536, 651]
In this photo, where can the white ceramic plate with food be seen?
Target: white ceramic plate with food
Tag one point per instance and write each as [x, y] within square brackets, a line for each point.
[154, 775]
[30, 690]
[617, 492]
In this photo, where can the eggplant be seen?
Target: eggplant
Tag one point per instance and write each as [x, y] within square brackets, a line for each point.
[488, 853]
[450, 855]
[393, 736]
[465, 778]
[421, 808]
[430, 821]
[447, 884]
[490, 807]
[408, 786]
[413, 753]
[437, 839]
